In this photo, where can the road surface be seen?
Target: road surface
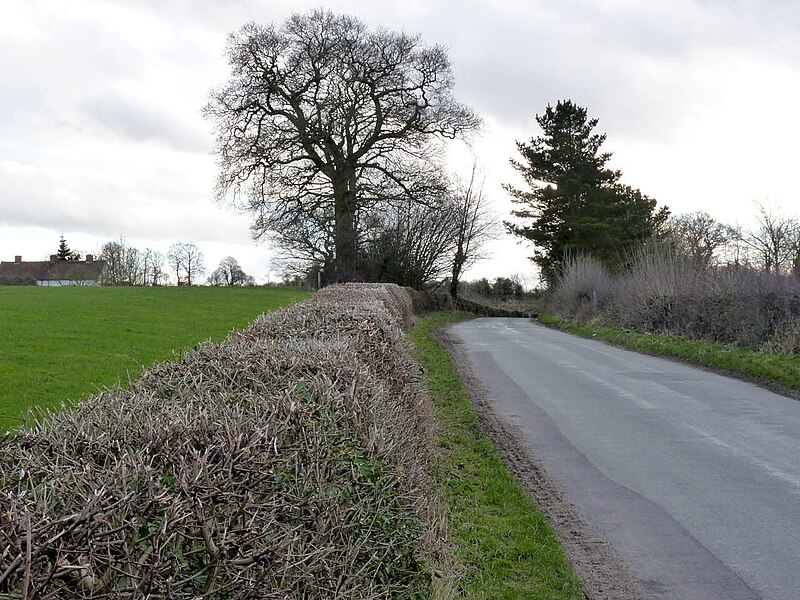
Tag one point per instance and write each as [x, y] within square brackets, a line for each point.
[694, 478]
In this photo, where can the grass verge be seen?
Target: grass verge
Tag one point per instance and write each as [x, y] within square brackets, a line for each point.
[60, 344]
[504, 543]
[778, 370]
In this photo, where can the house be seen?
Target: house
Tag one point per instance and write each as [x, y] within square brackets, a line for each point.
[51, 272]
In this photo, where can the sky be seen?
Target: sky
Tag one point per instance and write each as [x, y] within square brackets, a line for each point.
[102, 135]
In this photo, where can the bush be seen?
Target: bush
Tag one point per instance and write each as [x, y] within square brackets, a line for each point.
[661, 293]
[583, 280]
[290, 460]
[785, 338]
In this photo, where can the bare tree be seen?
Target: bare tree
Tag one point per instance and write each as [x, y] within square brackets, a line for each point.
[186, 259]
[774, 239]
[229, 272]
[322, 115]
[474, 226]
[175, 261]
[152, 267]
[122, 263]
[305, 244]
[796, 253]
[412, 244]
[698, 237]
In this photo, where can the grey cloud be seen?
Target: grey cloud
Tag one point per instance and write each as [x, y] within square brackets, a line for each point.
[512, 67]
[639, 68]
[143, 207]
[40, 73]
[141, 123]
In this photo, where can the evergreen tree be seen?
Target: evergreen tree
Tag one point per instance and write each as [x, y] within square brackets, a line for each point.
[64, 253]
[575, 203]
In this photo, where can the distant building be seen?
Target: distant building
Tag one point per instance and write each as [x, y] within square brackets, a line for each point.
[51, 273]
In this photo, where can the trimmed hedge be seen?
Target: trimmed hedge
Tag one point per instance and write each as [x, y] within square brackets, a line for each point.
[290, 460]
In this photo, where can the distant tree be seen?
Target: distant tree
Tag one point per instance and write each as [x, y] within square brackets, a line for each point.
[775, 240]
[506, 288]
[64, 252]
[575, 203]
[698, 237]
[152, 267]
[324, 118]
[122, 263]
[230, 273]
[186, 260]
[482, 287]
[474, 226]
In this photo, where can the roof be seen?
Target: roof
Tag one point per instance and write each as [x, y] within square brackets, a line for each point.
[75, 270]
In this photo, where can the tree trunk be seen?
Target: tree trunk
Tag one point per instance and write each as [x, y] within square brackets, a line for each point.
[458, 262]
[345, 234]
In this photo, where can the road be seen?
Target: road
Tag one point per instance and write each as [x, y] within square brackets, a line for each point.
[694, 478]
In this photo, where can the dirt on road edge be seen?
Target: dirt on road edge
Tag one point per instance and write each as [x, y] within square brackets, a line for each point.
[603, 574]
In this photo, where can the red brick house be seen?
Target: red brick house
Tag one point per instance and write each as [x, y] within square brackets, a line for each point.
[52, 272]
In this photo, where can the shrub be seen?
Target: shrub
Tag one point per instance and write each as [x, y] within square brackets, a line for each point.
[583, 280]
[786, 338]
[661, 293]
[290, 460]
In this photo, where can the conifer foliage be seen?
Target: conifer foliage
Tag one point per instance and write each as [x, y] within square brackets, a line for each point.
[575, 203]
[64, 252]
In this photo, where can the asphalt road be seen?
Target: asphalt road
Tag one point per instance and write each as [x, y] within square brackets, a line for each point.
[694, 478]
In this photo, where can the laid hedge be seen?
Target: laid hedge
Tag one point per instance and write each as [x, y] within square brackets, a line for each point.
[290, 460]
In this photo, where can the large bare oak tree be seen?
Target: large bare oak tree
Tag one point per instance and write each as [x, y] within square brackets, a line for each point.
[322, 115]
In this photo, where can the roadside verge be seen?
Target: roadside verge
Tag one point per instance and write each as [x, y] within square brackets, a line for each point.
[503, 541]
[776, 371]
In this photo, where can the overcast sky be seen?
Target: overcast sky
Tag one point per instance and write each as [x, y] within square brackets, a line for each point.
[101, 132]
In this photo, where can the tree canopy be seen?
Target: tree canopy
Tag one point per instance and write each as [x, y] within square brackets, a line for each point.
[698, 237]
[230, 273]
[187, 260]
[323, 119]
[575, 203]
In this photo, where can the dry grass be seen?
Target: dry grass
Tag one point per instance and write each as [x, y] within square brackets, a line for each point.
[290, 460]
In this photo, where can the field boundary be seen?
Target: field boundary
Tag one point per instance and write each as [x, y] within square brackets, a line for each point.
[290, 460]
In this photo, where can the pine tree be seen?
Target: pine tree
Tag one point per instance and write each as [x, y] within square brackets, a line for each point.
[575, 203]
[64, 253]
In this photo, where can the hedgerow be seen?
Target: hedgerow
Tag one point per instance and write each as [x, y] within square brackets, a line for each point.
[658, 293]
[290, 460]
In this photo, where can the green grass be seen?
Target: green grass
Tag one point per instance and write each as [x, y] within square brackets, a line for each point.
[774, 369]
[504, 543]
[61, 344]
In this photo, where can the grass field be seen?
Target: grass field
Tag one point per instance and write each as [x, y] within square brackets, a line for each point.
[61, 344]
[775, 369]
[505, 545]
